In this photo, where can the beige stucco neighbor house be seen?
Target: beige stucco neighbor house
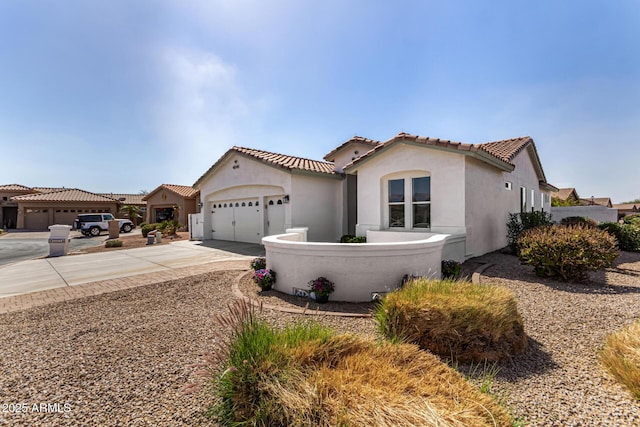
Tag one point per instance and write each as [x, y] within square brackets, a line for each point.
[408, 184]
[37, 211]
[169, 202]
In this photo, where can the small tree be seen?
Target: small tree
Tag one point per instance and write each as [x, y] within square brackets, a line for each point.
[132, 212]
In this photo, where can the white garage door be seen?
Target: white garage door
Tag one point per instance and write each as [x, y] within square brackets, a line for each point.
[236, 220]
[275, 215]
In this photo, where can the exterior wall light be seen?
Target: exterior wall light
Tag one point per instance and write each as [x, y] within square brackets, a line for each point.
[285, 199]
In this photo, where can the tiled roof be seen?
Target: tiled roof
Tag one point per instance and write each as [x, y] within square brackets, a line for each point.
[503, 152]
[627, 206]
[283, 161]
[182, 190]
[126, 199]
[507, 149]
[14, 187]
[564, 193]
[66, 195]
[602, 201]
[356, 139]
[48, 189]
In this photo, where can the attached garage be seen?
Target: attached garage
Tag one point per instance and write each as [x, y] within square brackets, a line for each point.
[249, 194]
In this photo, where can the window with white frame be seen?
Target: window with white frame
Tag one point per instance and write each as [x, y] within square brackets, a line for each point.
[533, 199]
[409, 213]
[421, 201]
[523, 199]
[396, 203]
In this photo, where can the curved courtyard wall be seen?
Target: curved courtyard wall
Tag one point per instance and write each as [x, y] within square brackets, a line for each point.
[358, 270]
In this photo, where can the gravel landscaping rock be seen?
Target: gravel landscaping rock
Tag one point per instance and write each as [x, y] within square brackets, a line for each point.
[122, 358]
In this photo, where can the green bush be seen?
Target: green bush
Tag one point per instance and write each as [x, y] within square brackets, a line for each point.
[113, 244]
[632, 219]
[566, 252]
[142, 224]
[350, 238]
[520, 222]
[578, 220]
[451, 269]
[168, 228]
[627, 235]
[454, 319]
[147, 228]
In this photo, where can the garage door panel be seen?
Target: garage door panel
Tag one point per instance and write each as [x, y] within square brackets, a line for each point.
[237, 220]
[36, 219]
[247, 221]
[222, 221]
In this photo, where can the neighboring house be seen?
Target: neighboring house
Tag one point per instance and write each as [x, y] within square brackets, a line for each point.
[567, 196]
[8, 207]
[169, 202]
[37, 211]
[408, 183]
[625, 209]
[599, 201]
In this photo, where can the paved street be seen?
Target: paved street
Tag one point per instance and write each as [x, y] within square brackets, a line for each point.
[24, 245]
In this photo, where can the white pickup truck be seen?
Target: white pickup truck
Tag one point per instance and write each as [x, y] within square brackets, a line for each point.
[93, 224]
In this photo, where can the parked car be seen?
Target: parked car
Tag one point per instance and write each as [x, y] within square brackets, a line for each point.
[93, 224]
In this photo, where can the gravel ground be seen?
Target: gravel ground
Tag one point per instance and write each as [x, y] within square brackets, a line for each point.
[559, 381]
[122, 358]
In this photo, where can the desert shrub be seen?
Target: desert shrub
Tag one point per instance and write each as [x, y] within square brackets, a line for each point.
[147, 228]
[566, 252]
[627, 235]
[259, 263]
[632, 219]
[168, 228]
[450, 269]
[142, 224]
[456, 319]
[621, 356]
[520, 222]
[579, 220]
[349, 238]
[307, 375]
[113, 244]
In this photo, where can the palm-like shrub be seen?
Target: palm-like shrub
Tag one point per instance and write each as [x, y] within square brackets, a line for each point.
[132, 212]
[566, 252]
[455, 319]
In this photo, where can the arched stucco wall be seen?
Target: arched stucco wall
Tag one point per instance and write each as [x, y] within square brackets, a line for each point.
[358, 270]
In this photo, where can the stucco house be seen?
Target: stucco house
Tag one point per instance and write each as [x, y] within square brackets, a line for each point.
[37, 211]
[406, 184]
[171, 201]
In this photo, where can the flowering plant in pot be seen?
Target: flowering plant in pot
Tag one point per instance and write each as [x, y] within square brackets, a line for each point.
[264, 278]
[321, 288]
[259, 263]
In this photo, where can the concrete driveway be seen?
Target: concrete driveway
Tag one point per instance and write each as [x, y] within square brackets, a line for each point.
[50, 273]
[24, 245]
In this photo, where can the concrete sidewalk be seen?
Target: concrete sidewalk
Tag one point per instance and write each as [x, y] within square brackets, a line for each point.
[50, 273]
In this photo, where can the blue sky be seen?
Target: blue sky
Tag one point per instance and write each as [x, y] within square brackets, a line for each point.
[120, 96]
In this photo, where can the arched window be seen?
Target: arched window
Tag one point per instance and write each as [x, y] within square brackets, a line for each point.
[244, 204]
[250, 204]
[237, 204]
[225, 205]
[270, 202]
[279, 201]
